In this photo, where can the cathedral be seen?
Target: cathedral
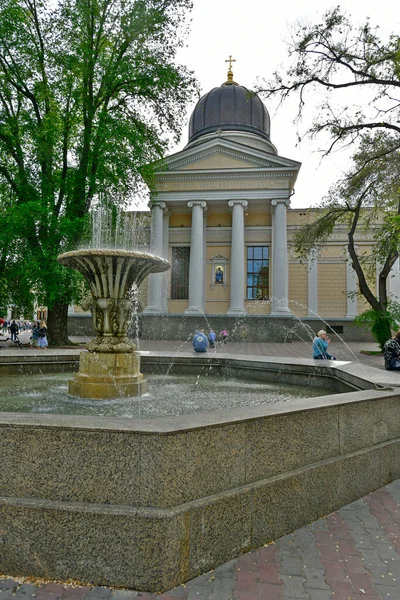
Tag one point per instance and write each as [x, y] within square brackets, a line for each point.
[220, 213]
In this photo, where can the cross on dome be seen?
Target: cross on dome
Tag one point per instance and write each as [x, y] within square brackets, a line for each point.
[230, 60]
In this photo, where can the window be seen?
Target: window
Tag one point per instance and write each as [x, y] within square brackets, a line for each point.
[257, 273]
[180, 273]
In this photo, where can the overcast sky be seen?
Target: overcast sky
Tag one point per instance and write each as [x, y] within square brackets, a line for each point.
[255, 33]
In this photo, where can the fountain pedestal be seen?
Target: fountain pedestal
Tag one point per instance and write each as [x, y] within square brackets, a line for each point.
[107, 375]
[111, 366]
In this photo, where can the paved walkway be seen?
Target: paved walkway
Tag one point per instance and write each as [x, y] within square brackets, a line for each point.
[352, 554]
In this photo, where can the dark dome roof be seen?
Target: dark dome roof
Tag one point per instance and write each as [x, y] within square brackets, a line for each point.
[230, 107]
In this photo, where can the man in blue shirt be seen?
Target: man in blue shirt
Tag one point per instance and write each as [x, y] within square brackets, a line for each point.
[200, 341]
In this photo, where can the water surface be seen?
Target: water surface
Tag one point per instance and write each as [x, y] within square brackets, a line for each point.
[168, 396]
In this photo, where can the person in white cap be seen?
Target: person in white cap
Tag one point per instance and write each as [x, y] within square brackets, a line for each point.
[320, 346]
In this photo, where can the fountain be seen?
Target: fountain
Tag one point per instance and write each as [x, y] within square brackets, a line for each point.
[150, 503]
[111, 367]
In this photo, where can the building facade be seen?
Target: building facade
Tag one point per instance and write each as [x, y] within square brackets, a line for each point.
[221, 215]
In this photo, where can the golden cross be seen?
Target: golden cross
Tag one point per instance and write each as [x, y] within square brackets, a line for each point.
[230, 61]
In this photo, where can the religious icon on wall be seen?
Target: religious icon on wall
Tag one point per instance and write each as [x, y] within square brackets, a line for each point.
[219, 274]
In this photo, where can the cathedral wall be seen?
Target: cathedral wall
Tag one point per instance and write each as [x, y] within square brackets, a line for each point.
[298, 288]
[180, 220]
[258, 219]
[219, 220]
[255, 307]
[332, 299]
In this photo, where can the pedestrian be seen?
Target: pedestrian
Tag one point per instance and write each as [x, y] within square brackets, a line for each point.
[224, 335]
[200, 341]
[5, 327]
[43, 343]
[391, 353]
[14, 330]
[212, 336]
[320, 346]
[34, 341]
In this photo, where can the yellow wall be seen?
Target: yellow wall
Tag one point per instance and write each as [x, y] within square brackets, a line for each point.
[258, 219]
[298, 288]
[257, 307]
[332, 299]
[222, 220]
[184, 220]
[177, 306]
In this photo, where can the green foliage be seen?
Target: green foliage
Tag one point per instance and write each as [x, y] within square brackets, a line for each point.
[381, 323]
[89, 92]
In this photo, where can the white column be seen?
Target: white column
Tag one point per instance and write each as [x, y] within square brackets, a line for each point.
[166, 274]
[196, 266]
[280, 262]
[237, 274]
[394, 281]
[155, 302]
[313, 283]
[351, 289]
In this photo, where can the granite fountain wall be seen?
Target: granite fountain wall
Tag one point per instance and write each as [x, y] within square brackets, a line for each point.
[149, 504]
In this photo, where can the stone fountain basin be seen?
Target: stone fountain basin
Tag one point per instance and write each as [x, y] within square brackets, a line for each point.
[149, 504]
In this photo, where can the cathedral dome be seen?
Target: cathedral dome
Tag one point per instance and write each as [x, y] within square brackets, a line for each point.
[230, 107]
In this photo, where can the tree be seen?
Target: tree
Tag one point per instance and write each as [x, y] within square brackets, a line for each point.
[332, 56]
[368, 198]
[89, 92]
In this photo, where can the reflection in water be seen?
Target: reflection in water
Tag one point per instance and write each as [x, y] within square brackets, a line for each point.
[168, 396]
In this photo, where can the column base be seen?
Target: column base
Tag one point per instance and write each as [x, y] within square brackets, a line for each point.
[154, 310]
[281, 312]
[194, 310]
[236, 312]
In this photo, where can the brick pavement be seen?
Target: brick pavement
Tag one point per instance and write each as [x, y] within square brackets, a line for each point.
[352, 554]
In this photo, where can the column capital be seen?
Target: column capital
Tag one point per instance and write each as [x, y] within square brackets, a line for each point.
[244, 203]
[152, 205]
[201, 203]
[277, 201]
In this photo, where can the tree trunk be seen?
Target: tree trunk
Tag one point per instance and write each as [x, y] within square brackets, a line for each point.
[57, 325]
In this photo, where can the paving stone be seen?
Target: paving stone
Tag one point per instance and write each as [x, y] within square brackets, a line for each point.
[319, 525]
[385, 552]
[389, 593]
[98, 593]
[7, 594]
[294, 587]
[315, 578]
[124, 595]
[26, 590]
[291, 566]
[315, 594]
[75, 593]
[8, 584]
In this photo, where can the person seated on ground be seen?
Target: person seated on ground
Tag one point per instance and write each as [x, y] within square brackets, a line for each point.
[320, 346]
[200, 341]
[14, 330]
[212, 336]
[391, 353]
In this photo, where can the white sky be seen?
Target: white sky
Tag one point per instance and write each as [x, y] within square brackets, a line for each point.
[255, 32]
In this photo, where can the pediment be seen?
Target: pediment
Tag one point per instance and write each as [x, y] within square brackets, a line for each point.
[222, 155]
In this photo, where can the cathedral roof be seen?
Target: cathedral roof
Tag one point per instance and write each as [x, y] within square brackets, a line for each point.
[229, 107]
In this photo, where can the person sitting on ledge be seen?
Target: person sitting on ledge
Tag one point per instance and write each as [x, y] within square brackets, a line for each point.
[391, 353]
[200, 341]
[320, 346]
